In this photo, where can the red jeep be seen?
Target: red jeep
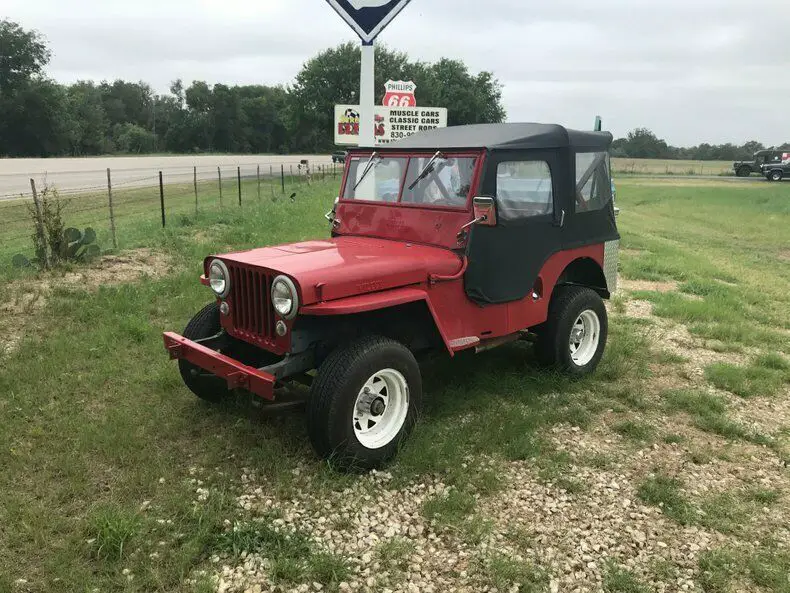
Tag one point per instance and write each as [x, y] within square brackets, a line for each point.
[454, 239]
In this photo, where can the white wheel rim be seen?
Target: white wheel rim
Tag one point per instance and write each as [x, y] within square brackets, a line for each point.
[381, 409]
[585, 335]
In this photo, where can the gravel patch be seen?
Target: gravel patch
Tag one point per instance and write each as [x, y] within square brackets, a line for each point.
[569, 537]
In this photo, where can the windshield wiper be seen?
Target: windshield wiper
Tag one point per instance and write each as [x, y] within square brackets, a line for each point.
[368, 167]
[427, 169]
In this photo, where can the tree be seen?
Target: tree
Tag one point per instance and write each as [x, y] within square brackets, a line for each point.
[23, 55]
[332, 77]
[87, 123]
[34, 125]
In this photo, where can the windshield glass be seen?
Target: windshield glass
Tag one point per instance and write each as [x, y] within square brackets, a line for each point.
[447, 182]
[381, 183]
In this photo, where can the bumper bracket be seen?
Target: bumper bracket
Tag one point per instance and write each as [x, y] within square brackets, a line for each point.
[238, 375]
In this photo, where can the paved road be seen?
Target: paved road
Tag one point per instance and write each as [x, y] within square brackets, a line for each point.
[73, 175]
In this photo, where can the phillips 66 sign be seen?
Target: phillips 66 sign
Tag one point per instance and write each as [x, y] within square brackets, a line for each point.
[399, 94]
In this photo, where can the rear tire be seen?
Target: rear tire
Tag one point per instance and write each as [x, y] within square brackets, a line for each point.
[203, 325]
[363, 403]
[744, 172]
[573, 338]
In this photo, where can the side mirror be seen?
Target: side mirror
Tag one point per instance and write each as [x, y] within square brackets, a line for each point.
[484, 211]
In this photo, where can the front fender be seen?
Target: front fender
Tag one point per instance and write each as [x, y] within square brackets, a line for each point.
[376, 301]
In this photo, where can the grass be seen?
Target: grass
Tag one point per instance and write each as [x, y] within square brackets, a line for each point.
[395, 553]
[293, 557]
[750, 381]
[507, 574]
[665, 492]
[621, 580]
[94, 415]
[634, 430]
[721, 568]
[625, 166]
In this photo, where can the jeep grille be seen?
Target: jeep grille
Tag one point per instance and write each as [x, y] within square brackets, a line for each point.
[250, 308]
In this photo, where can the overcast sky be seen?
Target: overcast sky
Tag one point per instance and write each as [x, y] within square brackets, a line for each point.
[690, 70]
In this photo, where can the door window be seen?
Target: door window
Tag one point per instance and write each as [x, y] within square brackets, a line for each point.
[524, 189]
[593, 184]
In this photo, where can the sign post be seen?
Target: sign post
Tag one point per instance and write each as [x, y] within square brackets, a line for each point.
[367, 18]
[367, 82]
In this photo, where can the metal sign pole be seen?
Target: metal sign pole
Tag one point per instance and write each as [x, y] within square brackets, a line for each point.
[367, 77]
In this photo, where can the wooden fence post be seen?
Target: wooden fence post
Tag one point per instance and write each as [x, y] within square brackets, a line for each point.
[282, 176]
[219, 176]
[112, 212]
[258, 174]
[42, 241]
[194, 181]
[162, 198]
[238, 177]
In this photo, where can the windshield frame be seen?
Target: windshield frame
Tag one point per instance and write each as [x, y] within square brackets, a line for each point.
[479, 155]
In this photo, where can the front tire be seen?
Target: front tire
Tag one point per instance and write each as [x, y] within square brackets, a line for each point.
[573, 338]
[207, 387]
[364, 402]
[775, 175]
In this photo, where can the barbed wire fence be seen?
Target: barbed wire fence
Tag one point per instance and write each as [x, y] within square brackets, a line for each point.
[120, 203]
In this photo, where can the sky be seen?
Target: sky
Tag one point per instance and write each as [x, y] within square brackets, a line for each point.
[690, 70]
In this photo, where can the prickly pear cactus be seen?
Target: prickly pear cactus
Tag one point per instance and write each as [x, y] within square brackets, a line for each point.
[76, 246]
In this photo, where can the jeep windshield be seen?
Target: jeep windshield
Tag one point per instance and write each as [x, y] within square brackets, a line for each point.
[447, 182]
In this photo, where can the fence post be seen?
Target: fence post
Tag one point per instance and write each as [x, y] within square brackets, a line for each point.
[238, 177]
[282, 176]
[162, 198]
[219, 176]
[258, 173]
[112, 212]
[39, 227]
[194, 181]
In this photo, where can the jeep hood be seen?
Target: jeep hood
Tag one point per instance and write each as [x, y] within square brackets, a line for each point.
[348, 266]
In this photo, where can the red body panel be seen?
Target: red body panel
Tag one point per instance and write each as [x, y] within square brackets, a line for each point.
[367, 302]
[237, 375]
[348, 266]
[458, 318]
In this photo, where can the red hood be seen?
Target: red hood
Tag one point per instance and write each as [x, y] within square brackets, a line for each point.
[347, 266]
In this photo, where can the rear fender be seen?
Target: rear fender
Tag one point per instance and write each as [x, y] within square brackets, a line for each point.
[586, 271]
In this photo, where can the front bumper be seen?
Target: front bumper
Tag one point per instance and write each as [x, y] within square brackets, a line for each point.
[238, 375]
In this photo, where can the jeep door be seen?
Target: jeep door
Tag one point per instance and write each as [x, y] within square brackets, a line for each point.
[530, 189]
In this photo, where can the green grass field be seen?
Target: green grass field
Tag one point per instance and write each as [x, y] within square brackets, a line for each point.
[622, 166]
[115, 478]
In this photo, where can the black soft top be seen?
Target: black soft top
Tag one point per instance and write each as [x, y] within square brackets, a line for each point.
[515, 136]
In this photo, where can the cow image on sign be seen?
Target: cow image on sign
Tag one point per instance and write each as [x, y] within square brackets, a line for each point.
[399, 93]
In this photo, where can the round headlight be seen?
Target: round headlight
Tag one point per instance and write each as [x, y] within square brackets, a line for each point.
[219, 279]
[284, 298]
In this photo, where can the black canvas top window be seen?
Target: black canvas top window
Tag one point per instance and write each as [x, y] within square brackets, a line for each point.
[524, 189]
[593, 183]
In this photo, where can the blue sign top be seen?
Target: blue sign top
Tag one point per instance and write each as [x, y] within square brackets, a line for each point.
[368, 17]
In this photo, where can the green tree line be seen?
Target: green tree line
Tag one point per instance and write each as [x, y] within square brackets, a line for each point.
[39, 117]
[641, 143]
